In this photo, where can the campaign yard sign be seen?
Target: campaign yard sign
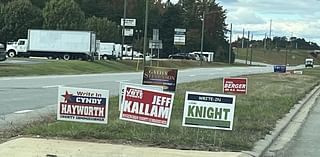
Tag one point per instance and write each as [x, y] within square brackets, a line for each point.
[146, 106]
[210, 111]
[159, 76]
[123, 85]
[83, 105]
[235, 85]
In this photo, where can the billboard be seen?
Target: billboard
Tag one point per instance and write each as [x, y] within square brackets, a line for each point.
[209, 111]
[83, 105]
[159, 76]
[235, 85]
[123, 85]
[146, 106]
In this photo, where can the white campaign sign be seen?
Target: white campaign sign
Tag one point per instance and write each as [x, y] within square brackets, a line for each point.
[210, 111]
[83, 105]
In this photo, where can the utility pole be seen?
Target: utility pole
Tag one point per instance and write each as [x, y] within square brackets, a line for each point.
[286, 59]
[145, 33]
[265, 41]
[230, 45]
[202, 34]
[248, 47]
[291, 42]
[123, 25]
[270, 31]
[251, 46]
[242, 43]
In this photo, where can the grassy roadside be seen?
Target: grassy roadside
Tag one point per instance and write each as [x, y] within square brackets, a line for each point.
[274, 57]
[82, 67]
[269, 98]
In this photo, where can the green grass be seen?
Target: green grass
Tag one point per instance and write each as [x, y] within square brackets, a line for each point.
[270, 97]
[62, 67]
[274, 57]
[83, 67]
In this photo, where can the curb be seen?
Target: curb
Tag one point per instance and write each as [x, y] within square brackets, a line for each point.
[263, 145]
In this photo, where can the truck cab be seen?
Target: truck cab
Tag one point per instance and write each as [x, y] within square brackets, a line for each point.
[3, 56]
[107, 50]
[308, 63]
[17, 48]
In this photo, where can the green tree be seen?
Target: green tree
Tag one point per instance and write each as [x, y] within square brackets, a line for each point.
[39, 3]
[4, 1]
[214, 24]
[62, 14]
[172, 18]
[1, 23]
[17, 17]
[106, 30]
[96, 8]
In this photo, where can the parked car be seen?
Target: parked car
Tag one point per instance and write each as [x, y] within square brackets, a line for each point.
[2, 53]
[182, 56]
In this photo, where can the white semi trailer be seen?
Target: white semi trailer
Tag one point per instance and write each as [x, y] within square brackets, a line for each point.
[55, 44]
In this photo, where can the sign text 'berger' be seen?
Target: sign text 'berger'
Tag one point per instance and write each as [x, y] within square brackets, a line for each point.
[235, 85]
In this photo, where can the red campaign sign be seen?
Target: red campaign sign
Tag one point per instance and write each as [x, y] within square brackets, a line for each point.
[146, 106]
[235, 85]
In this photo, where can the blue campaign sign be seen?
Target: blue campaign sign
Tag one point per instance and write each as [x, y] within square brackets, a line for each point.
[280, 68]
[160, 76]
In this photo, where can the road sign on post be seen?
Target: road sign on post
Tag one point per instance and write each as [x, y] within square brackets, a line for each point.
[155, 35]
[129, 22]
[179, 36]
[155, 44]
[128, 32]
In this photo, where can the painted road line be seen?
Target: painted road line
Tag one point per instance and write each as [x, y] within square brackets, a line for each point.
[52, 86]
[122, 81]
[23, 111]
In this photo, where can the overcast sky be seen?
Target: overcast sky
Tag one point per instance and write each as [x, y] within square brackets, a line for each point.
[300, 18]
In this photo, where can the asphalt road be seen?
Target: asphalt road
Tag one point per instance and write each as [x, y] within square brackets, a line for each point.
[31, 93]
[306, 143]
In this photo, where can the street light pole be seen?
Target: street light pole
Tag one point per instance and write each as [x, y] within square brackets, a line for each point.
[202, 35]
[145, 33]
[123, 25]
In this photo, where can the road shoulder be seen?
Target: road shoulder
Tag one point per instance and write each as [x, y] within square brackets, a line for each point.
[277, 143]
[30, 147]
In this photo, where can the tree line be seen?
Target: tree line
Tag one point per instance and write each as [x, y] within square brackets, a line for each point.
[103, 17]
[277, 43]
